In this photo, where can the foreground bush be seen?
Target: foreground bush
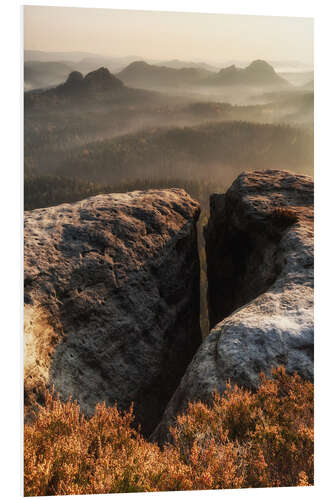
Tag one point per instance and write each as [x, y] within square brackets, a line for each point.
[241, 440]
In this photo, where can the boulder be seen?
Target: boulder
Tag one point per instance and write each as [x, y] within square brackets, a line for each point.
[259, 243]
[112, 300]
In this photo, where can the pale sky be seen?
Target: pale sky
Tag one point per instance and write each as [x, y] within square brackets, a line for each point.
[168, 35]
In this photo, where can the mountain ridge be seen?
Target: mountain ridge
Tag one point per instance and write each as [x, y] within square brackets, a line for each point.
[257, 73]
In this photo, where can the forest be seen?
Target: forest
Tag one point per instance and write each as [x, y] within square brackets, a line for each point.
[55, 134]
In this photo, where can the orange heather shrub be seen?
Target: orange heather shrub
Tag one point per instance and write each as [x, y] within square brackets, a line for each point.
[246, 439]
[241, 440]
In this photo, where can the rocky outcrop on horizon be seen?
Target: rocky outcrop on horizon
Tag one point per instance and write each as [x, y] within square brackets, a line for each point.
[140, 73]
[100, 80]
[259, 243]
[257, 74]
[112, 300]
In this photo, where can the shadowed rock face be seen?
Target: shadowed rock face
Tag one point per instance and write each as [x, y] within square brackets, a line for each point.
[244, 232]
[259, 243]
[112, 300]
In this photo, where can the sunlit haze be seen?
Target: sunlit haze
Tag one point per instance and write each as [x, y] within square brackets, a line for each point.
[212, 38]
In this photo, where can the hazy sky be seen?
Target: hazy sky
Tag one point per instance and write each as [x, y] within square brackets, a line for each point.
[165, 35]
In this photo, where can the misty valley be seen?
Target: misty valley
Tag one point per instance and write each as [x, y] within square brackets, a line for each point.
[96, 134]
[97, 129]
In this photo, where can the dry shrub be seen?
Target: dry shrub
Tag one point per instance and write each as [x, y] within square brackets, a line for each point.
[241, 440]
[246, 439]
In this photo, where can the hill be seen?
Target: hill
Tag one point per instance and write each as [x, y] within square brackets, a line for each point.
[178, 64]
[140, 73]
[99, 86]
[39, 74]
[297, 78]
[45, 69]
[99, 80]
[258, 73]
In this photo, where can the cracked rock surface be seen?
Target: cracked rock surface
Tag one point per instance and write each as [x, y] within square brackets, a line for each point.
[259, 243]
[112, 300]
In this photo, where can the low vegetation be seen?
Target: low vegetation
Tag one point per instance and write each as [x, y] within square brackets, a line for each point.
[241, 440]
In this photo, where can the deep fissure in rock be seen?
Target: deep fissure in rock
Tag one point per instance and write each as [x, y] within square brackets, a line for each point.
[234, 256]
[260, 288]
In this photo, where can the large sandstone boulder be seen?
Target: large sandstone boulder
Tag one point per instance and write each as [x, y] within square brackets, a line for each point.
[112, 300]
[259, 242]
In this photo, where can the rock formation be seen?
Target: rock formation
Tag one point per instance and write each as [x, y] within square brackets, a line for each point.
[259, 242]
[100, 80]
[259, 74]
[112, 300]
[74, 78]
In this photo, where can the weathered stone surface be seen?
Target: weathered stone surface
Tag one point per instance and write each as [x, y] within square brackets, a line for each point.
[112, 299]
[259, 243]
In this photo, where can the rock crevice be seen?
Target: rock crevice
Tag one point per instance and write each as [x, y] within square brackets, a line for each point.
[112, 295]
[259, 243]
